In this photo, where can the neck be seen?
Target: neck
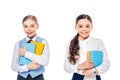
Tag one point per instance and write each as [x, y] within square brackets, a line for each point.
[83, 38]
[32, 36]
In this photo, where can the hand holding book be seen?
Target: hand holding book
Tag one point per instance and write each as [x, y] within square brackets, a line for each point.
[33, 47]
[22, 51]
[95, 56]
[33, 65]
[85, 65]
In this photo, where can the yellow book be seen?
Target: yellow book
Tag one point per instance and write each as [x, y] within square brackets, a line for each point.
[38, 47]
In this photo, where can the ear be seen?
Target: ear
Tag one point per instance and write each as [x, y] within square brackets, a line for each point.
[75, 27]
[91, 27]
[37, 26]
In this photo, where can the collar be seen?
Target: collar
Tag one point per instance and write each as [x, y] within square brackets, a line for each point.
[34, 38]
[86, 40]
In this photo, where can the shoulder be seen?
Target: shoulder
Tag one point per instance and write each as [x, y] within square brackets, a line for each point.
[41, 39]
[38, 37]
[68, 45]
[22, 41]
[95, 39]
[19, 41]
[44, 40]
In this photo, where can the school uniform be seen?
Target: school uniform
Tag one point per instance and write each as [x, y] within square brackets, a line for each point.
[23, 72]
[90, 44]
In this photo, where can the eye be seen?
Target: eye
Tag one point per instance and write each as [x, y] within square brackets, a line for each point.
[25, 26]
[32, 26]
[87, 26]
[80, 26]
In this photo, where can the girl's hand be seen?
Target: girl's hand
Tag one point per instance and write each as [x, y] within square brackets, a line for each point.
[22, 51]
[85, 65]
[88, 73]
[33, 65]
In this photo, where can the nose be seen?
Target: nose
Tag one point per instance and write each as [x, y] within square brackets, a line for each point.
[29, 28]
[84, 28]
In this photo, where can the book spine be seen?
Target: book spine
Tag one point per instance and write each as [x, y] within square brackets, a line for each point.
[88, 55]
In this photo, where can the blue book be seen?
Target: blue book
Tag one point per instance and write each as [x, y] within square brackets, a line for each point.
[96, 57]
[31, 48]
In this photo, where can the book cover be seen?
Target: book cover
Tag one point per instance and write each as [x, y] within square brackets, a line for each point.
[38, 48]
[31, 48]
[95, 56]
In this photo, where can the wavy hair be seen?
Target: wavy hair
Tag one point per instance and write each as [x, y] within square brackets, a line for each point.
[74, 47]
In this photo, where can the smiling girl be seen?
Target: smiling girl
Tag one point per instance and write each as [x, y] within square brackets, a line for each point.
[35, 69]
[76, 53]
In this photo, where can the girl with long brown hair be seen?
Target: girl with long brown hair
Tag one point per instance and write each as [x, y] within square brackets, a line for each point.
[76, 53]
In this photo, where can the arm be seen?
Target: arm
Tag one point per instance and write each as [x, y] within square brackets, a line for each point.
[103, 67]
[106, 63]
[77, 67]
[43, 59]
[15, 66]
[68, 67]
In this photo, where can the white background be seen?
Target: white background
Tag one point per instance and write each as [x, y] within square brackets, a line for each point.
[57, 20]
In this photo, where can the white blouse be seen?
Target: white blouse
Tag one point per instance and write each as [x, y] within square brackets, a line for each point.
[88, 45]
[42, 60]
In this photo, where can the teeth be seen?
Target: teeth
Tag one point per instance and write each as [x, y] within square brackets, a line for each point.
[83, 32]
[29, 32]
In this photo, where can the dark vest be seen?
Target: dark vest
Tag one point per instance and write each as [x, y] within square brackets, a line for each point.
[81, 77]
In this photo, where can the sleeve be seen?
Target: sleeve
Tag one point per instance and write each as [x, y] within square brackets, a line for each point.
[43, 59]
[15, 66]
[106, 63]
[68, 67]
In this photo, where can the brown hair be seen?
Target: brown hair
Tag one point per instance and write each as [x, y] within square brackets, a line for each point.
[30, 17]
[74, 44]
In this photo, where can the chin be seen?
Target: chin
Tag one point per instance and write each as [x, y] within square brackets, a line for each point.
[30, 36]
[86, 37]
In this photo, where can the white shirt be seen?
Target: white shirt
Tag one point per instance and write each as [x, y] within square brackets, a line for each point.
[42, 60]
[88, 45]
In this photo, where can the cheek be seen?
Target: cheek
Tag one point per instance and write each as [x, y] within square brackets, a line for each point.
[25, 29]
[35, 29]
[89, 29]
[80, 30]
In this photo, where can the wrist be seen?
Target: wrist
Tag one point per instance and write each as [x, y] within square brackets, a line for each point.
[94, 71]
[28, 67]
[79, 67]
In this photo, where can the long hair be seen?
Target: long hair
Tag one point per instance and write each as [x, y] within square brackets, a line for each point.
[74, 50]
[74, 47]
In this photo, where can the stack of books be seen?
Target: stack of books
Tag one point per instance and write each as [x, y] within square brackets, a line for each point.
[33, 47]
[96, 57]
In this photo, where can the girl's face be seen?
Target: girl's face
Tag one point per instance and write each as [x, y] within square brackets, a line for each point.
[84, 28]
[30, 27]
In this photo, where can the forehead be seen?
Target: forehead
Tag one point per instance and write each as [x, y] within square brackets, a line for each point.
[29, 21]
[83, 21]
